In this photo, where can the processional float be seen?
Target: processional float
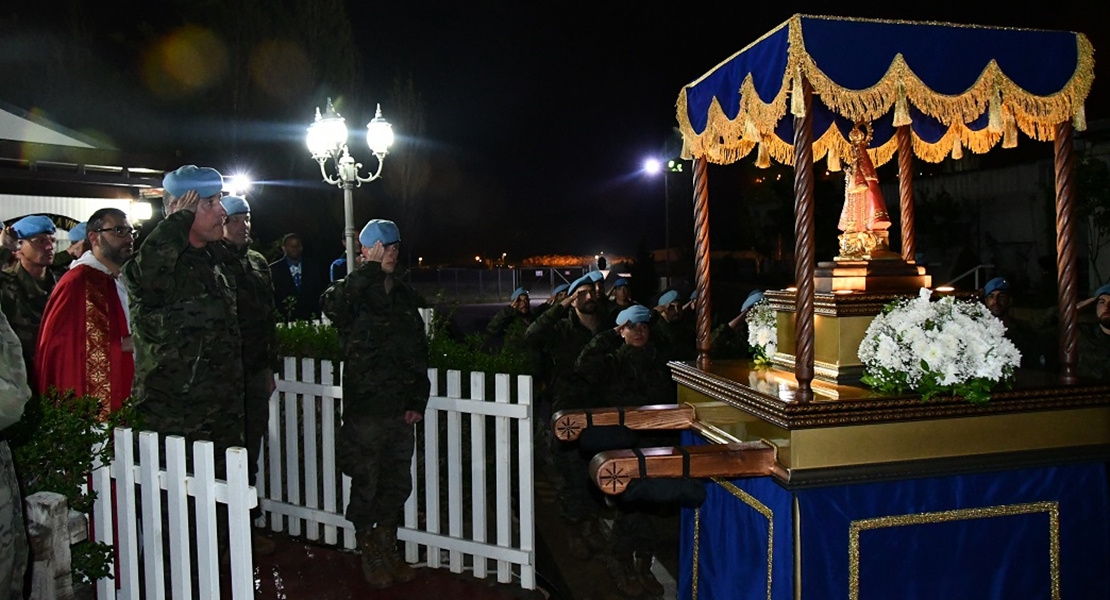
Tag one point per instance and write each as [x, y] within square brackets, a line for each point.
[820, 487]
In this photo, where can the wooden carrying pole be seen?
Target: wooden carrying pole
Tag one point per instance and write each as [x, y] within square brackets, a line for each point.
[568, 424]
[1065, 250]
[613, 470]
[804, 247]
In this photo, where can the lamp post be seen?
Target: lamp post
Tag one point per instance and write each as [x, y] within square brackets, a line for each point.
[327, 138]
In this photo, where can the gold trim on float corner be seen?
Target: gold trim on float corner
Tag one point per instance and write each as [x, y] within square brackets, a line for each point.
[1052, 508]
[759, 507]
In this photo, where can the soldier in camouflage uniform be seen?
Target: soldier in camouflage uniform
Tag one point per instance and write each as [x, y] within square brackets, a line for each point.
[561, 333]
[25, 284]
[385, 391]
[14, 393]
[631, 370]
[255, 306]
[188, 362]
[78, 245]
[1094, 338]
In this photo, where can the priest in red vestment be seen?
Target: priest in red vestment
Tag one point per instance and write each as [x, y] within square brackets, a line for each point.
[84, 341]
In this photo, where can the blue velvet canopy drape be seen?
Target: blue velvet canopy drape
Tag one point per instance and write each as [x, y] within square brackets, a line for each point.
[957, 86]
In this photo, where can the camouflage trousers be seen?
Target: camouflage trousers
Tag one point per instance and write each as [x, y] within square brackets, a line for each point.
[257, 407]
[13, 533]
[376, 453]
[579, 499]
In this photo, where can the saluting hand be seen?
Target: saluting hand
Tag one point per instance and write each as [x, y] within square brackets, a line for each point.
[376, 253]
[188, 201]
[9, 240]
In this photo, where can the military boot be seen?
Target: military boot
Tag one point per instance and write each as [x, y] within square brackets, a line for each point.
[624, 576]
[592, 534]
[651, 585]
[373, 566]
[386, 540]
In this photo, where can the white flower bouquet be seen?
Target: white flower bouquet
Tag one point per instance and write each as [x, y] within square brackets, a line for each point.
[762, 334]
[946, 347]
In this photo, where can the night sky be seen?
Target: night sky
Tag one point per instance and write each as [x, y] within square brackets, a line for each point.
[537, 115]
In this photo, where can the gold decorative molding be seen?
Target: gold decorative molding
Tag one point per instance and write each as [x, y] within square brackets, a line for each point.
[1051, 508]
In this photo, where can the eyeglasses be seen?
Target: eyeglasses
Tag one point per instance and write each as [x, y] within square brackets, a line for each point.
[120, 231]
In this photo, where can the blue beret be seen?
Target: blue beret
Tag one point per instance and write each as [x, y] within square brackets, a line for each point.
[753, 297]
[559, 289]
[665, 299]
[379, 230]
[621, 281]
[1105, 289]
[595, 276]
[235, 205]
[205, 180]
[998, 284]
[634, 314]
[518, 292]
[32, 226]
[577, 282]
[78, 233]
[693, 295]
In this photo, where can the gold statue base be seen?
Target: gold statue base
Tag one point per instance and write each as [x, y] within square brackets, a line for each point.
[881, 276]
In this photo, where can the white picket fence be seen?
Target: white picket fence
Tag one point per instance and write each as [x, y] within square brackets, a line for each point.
[206, 491]
[302, 491]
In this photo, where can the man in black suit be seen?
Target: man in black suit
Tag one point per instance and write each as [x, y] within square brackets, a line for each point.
[297, 282]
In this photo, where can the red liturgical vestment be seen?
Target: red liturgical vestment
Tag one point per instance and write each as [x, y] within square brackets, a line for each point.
[81, 339]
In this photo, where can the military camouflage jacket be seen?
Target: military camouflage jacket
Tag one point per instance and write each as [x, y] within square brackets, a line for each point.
[1094, 352]
[23, 299]
[255, 305]
[385, 371]
[14, 391]
[188, 363]
[624, 375]
[559, 337]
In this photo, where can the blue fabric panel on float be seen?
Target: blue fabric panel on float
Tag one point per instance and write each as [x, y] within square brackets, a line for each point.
[1025, 533]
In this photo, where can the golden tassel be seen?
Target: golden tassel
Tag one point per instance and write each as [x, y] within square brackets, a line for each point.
[901, 107]
[994, 123]
[957, 149]
[751, 132]
[1009, 131]
[834, 161]
[1079, 120]
[797, 102]
[763, 157]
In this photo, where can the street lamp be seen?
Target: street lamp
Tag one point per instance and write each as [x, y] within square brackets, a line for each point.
[653, 167]
[327, 138]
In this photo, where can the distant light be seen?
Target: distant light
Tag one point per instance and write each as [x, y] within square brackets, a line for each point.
[652, 166]
[477, 259]
[237, 185]
[141, 211]
[944, 289]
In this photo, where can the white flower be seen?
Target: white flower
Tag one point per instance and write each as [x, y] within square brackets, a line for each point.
[959, 341]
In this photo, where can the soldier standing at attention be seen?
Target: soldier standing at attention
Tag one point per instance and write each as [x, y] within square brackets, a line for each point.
[255, 306]
[385, 391]
[14, 393]
[25, 284]
[188, 363]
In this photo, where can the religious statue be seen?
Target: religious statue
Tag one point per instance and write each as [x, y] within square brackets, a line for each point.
[864, 219]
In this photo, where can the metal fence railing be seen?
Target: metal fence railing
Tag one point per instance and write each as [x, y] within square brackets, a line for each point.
[481, 286]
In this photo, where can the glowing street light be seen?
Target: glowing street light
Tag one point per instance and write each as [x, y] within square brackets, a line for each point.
[327, 138]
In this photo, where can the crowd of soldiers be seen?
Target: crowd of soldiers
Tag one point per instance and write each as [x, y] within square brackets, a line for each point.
[185, 324]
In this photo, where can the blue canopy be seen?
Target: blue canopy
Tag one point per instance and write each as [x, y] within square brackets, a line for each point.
[957, 86]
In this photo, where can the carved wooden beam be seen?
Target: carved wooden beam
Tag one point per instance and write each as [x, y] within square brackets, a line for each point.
[613, 470]
[568, 424]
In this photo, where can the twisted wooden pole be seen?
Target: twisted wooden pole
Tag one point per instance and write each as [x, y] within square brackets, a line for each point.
[804, 246]
[905, 193]
[701, 257]
[1065, 249]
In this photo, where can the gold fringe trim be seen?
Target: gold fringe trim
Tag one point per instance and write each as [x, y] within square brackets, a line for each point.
[957, 149]
[994, 123]
[762, 159]
[834, 162]
[901, 107]
[724, 141]
[1079, 121]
